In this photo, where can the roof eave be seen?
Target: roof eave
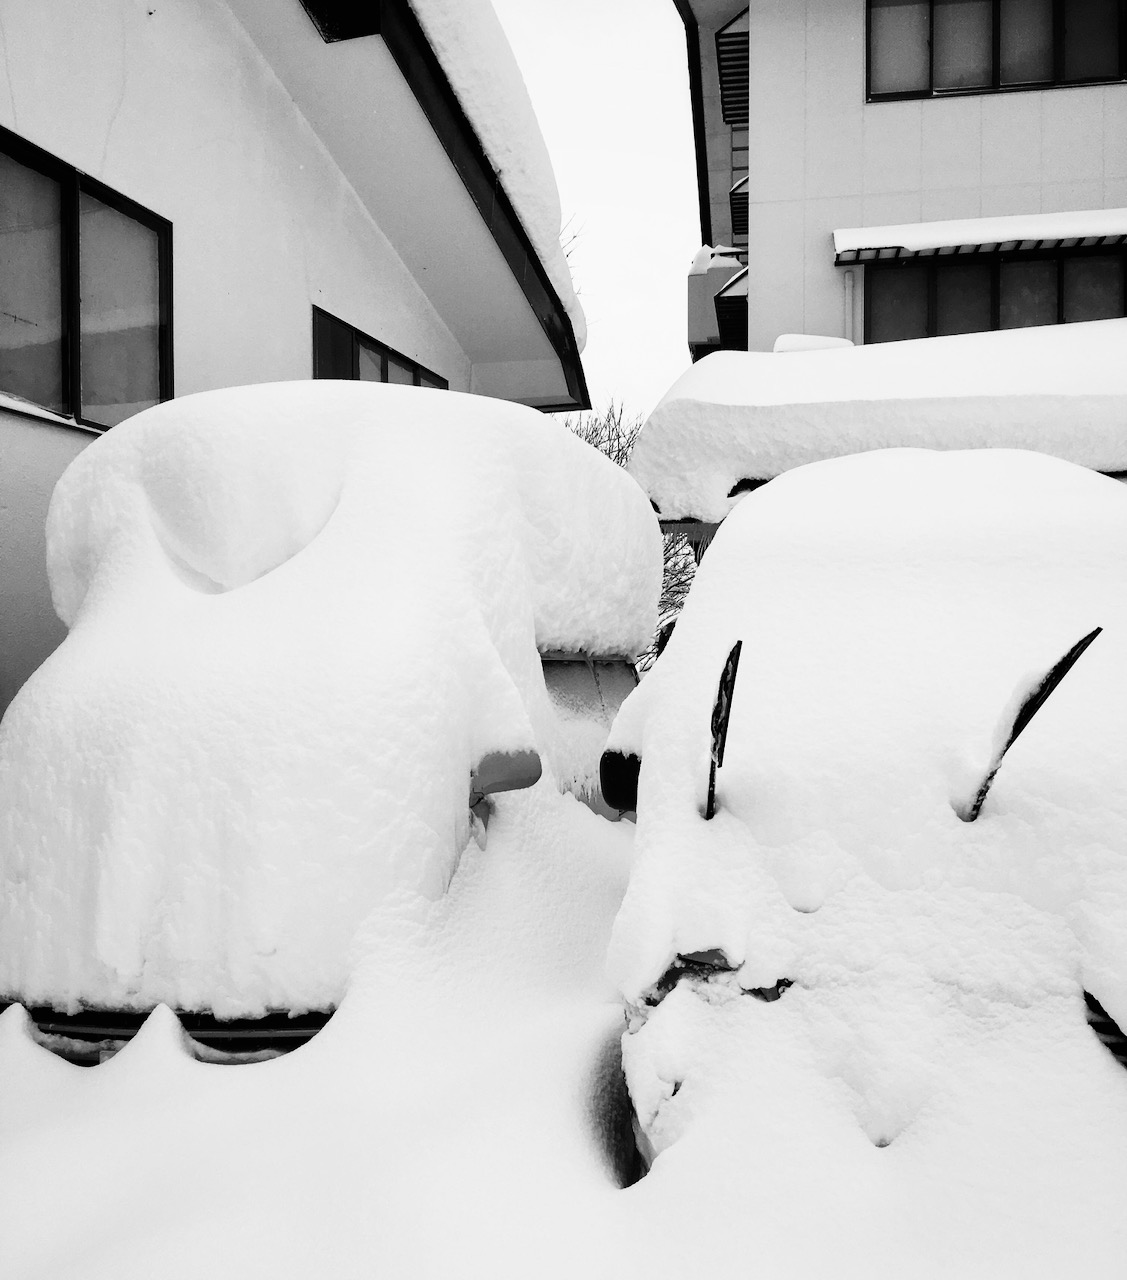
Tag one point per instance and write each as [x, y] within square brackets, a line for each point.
[396, 23]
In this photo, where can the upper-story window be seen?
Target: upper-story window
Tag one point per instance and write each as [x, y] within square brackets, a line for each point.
[922, 47]
[85, 284]
[931, 297]
[341, 351]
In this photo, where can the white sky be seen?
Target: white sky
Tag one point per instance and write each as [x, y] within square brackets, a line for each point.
[609, 83]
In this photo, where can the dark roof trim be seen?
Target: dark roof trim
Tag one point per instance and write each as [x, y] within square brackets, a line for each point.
[406, 41]
[696, 97]
[887, 253]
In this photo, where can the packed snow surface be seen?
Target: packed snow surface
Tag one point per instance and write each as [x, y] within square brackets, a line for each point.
[299, 616]
[1060, 389]
[471, 44]
[880, 1050]
[1076, 225]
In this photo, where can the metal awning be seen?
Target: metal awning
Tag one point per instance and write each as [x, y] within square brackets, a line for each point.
[736, 287]
[972, 236]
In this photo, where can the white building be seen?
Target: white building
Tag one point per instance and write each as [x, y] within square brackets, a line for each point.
[199, 193]
[907, 126]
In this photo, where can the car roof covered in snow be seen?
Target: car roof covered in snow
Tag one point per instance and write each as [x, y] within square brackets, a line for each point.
[1060, 389]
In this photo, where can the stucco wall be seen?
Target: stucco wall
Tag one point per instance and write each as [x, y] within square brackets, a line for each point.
[171, 104]
[34, 452]
[821, 157]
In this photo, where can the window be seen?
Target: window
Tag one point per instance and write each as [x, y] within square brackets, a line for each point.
[85, 291]
[926, 297]
[340, 351]
[918, 48]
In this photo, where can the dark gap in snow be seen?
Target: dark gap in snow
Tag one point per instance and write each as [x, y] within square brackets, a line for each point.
[704, 966]
[746, 485]
[770, 994]
[882, 1142]
[1106, 1029]
[611, 1114]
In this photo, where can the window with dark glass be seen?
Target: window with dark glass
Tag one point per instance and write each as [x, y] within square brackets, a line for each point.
[341, 351]
[922, 47]
[928, 297]
[84, 291]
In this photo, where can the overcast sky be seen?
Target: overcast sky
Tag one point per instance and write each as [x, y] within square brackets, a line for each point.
[609, 83]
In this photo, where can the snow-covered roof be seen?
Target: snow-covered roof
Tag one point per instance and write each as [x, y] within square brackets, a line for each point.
[480, 212]
[475, 53]
[1022, 231]
[1060, 389]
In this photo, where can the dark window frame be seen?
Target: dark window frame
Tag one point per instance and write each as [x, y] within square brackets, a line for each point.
[73, 183]
[934, 262]
[375, 347]
[996, 86]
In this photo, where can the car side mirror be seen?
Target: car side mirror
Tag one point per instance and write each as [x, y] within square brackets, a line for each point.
[503, 771]
[618, 777]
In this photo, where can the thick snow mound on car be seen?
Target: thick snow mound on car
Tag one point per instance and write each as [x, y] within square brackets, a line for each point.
[1059, 389]
[299, 616]
[881, 1029]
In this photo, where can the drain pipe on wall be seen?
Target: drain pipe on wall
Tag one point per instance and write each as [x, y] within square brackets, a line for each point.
[849, 305]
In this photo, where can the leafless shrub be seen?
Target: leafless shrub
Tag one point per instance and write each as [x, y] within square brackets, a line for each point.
[613, 432]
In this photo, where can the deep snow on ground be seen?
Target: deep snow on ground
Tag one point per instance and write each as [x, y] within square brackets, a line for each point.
[299, 616]
[445, 1122]
[926, 1098]
[1060, 389]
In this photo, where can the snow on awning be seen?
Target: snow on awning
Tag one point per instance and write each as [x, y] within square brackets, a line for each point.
[1024, 232]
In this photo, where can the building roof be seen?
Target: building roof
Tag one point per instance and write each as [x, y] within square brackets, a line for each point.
[477, 224]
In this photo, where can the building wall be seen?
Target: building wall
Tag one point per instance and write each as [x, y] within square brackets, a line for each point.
[171, 105]
[34, 452]
[821, 157]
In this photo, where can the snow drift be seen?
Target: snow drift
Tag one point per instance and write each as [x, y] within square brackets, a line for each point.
[299, 616]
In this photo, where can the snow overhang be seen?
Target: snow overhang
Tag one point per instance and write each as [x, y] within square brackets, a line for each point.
[374, 91]
[970, 236]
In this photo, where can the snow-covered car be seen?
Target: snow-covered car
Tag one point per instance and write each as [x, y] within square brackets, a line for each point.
[305, 627]
[879, 891]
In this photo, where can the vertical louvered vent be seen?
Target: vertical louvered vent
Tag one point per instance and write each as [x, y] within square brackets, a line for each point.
[737, 200]
[732, 60]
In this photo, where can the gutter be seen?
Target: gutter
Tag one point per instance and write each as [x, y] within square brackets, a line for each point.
[696, 97]
[406, 41]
